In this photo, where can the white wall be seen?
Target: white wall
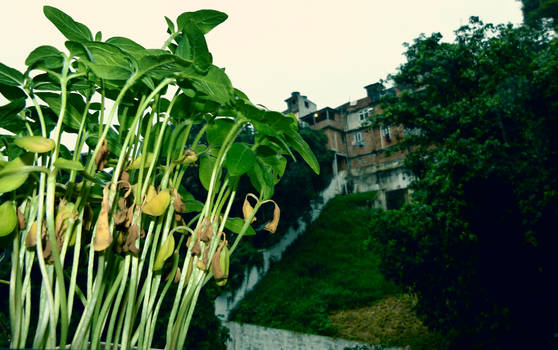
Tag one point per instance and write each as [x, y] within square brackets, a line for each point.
[251, 337]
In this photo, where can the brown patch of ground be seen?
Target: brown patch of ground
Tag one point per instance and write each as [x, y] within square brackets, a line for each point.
[390, 321]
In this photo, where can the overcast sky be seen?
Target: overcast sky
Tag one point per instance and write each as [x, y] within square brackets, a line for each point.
[327, 50]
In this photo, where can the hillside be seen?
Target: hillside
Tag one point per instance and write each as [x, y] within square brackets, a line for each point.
[328, 283]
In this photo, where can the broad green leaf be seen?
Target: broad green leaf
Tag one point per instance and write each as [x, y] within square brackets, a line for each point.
[136, 164]
[35, 144]
[10, 76]
[45, 81]
[297, 142]
[215, 85]
[45, 57]
[193, 206]
[11, 92]
[165, 251]
[71, 29]
[129, 46]
[192, 46]
[11, 177]
[235, 225]
[109, 62]
[170, 25]
[240, 159]
[278, 164]
[206, 169]
[261, 179]
[162, 65]
[74, 108]
[218, 131]
[9, 218]
[67, 164]
[9, 119]
[205, 20]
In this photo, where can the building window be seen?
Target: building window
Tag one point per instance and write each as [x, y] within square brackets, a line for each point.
[306, 104]
[365, 113]
[358, 141]
[386, 133]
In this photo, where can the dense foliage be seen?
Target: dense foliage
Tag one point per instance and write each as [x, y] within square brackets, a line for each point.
[535, 10]
[478, 242]
[328, 268]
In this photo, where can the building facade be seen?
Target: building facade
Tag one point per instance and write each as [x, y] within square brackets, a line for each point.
[360, 150]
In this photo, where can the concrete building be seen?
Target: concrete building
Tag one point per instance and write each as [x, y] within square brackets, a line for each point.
[360, 150]
[299, 105]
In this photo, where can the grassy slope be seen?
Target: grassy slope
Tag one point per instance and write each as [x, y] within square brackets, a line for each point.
[327, 269]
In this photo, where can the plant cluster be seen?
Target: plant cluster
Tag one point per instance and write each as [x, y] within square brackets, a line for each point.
[114, 206]
[477, 242]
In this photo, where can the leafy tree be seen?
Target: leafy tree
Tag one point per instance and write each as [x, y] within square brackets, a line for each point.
[535, 10]
[478, 241]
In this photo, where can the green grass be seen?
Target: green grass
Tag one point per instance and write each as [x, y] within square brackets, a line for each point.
[327, 269]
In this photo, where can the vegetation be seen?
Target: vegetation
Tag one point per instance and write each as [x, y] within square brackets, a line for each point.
[536, 10]
[98, 232]
[477, 242]
[327, 269]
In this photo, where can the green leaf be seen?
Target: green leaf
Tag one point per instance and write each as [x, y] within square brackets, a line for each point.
[165, 251]
[205, 20]
[35, 144]
[71, 29]
[235, 225]
[11, 92]
[193, 206]
[11, 178]
[206, 169]
[9, 218]
[192, 46]
[67, 164]
[261, 179]
[108, 61]
[218, 131]
[8, 116]
[45, 57]
[278, 164]
[215, 85]
[74, 106]
[170, 25]
[10, 76]
[297, 142]
[129, 46]
[240, 159]
[162, 65]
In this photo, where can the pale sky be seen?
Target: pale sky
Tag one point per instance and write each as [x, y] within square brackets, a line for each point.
[327, 50]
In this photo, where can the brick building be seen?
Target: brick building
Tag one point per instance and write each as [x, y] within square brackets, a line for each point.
[360, 150]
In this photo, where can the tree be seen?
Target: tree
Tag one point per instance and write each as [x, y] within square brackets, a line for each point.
[478, 241]
[535, 10]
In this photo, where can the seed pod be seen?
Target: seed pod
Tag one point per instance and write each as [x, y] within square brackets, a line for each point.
[136, 164]
[31, 238]
[35, 144]
[221, 271]
[177, 276]
[22, 223]
[131, 238]
[178, 204]
[9, 218]
[206, 232]
[201, 265]
[101, 157]
[165, 252]
[247, 209]
[272, 225]
[188, 157]
[103, 238]
[122, 212]
[10, 178]
[189, 269]
[158, 205]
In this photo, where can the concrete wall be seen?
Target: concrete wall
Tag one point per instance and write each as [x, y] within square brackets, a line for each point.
[383, 178]
[251, 337]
